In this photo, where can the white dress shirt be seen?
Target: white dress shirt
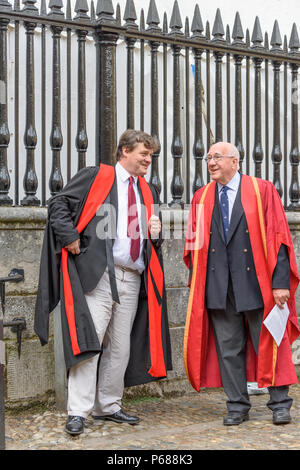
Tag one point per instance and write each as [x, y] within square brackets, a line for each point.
[121, 248]
[233, 186]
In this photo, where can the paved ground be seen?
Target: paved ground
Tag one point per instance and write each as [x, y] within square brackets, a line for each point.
[189, 422]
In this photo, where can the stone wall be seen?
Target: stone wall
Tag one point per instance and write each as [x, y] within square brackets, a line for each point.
[32, 376]
[40, 370]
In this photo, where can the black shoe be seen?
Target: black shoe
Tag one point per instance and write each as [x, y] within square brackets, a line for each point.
[74, 425]
[281, 416]
[119, 417]
[234, 418]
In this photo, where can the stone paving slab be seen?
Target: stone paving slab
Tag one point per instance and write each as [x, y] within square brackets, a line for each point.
[193, 421]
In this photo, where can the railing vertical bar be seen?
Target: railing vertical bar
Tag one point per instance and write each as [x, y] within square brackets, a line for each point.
[276, 151]
[30, 181]
[258, 155]
[130, 24]
[285, 119]
[69, 105]
[276, 154]
[198, 147]
[142, 73]
[81, 137]
[257, 151]
[154, 28]
[176, 147]
[218, 33]
[219, 98]
[247, 105]
[257, 40]
[106, 122]
[154, 177]
[238, 36]
[238, 109]
[130, 82]
[165, 111]
[267, 156]
[228, 87]
[294, 190]
[56, 138]
[208, 130]
[17, 103]
[5, 135]
[177, 186]
[43, 13]
[43, 111]
[187, 117]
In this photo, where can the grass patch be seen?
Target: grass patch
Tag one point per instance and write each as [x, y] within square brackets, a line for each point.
[32, 406]
[33, 409]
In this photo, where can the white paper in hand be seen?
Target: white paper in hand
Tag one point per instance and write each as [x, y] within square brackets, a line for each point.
[276, 322]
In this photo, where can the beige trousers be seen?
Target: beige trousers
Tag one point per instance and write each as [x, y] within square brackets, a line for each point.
[100, 390]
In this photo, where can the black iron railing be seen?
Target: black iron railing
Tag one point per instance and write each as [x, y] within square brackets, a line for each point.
[223, 94]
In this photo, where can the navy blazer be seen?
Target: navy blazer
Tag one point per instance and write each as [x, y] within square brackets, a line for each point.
[234, 260]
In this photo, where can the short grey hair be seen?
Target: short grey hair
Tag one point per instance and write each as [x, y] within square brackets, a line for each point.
[233, 151]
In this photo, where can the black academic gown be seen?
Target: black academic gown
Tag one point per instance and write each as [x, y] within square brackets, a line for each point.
[85, 271]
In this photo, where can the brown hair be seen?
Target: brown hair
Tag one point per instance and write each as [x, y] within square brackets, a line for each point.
[131, 138]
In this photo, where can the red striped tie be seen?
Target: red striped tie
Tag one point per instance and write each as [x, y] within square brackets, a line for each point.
[133, 229]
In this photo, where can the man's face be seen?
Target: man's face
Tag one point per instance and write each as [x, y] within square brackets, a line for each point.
[136, 161]
[222, 169]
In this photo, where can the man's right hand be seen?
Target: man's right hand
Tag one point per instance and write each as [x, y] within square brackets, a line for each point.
[74, 247]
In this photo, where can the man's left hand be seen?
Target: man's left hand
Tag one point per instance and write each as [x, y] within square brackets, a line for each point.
[154, 226]
[281, 296]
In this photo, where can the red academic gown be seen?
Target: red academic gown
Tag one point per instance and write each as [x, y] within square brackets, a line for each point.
[268, 229]
[150, 356]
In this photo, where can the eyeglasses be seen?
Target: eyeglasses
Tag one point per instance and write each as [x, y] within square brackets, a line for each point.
[217, 158]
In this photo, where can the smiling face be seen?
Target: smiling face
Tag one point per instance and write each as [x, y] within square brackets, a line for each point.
[136, 161]
[223, 169]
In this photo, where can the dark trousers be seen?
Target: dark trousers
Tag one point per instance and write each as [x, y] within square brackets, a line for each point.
[230, 336]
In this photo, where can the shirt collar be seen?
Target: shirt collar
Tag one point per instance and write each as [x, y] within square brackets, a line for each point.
[123, 174]
[232, 184]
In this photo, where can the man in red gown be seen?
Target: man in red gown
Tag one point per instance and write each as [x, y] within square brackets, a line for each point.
[241, 259]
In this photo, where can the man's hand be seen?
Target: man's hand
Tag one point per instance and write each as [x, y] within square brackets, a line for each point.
[154, 226]
[74, 247]
[281, 296]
